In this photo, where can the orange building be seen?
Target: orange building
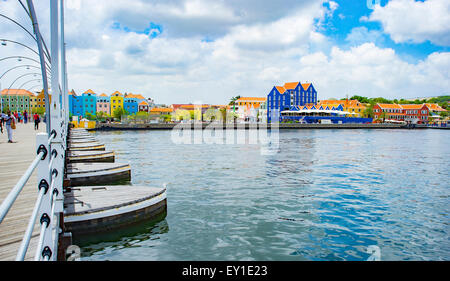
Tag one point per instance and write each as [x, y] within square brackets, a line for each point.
[248, 102]
[161, 110]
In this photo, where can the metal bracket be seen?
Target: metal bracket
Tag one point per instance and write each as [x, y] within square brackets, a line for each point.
[45, 218]
[43, 184]
[46, 252]
[42, 148]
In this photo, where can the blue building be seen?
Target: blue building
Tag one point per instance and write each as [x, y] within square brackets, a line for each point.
[131, 105]
[89, 102]
[287, 97]
[77, 105]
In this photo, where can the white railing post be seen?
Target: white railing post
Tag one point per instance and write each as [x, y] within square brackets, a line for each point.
[56, 113]
[44, 212]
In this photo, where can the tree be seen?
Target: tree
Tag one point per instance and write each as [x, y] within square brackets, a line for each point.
[368, 112]
[234, 99]
[119, 112]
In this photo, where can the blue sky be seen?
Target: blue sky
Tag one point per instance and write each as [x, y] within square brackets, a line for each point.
[348, 17]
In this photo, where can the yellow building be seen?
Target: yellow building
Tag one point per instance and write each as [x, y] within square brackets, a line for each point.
[33, 103]
[41, 101]
[351, 106]
[116, 101]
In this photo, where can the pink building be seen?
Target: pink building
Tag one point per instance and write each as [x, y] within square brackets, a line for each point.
[103, 104]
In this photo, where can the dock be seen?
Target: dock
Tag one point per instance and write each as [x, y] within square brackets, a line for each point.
[14, 160]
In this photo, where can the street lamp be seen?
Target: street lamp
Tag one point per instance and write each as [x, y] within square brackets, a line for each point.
[35, 74]
[19, 58]
[4, 42]
[19, 66]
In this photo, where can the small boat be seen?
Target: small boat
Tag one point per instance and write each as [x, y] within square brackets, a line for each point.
[90, 156]
[89, 209]
[97, 173]
[86, 146]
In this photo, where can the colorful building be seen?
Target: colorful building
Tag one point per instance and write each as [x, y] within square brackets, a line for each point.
[143, 106]
[416, 113]
[89, 102]
[130, 104]
[77, 105]
[161, 111]
[103, 104]
[70, 98]
[354, 107]
[291, 95]
[116, 101]
[41, 100]
[413, 113]
[16, 100]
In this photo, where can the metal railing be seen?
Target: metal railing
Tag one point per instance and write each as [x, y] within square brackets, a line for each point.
[49, 162]
[50, 167]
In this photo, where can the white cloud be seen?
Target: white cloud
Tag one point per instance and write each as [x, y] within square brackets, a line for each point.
[368, 70]
[263, 44]
[415, 21]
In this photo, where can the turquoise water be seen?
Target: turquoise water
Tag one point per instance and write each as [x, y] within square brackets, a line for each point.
[327, 195]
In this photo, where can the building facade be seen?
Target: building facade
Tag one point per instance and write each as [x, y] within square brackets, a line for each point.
[16, 100]
[89, 102]
[413, 113]
[291, 95]
[103, 104]
[130, 105]
[143, 106]
[116, 101]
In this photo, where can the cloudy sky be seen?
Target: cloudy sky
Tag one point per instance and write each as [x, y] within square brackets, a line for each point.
[181, 51]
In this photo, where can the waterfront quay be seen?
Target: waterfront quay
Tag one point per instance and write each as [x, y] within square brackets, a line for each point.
[170, 126]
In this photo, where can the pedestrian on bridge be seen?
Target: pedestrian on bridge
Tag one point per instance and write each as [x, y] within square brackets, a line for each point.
[10, 122]
[37, 120]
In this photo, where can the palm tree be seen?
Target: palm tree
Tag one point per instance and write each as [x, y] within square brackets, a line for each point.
[234, 99]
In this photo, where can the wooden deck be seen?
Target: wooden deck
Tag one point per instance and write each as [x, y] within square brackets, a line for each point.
[15, 158]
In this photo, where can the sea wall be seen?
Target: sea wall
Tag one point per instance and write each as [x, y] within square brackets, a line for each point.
[170, 126]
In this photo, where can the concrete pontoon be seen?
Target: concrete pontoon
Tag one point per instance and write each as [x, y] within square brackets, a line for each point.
[86, 146]
[97, 173]
[105, 208]
[91, 156]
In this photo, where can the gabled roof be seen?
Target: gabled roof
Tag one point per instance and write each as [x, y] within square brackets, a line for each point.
[251, 99]
[291, 85]
[161, 109]
[89, 92]
[389, 105]
[117, 93]
[435, 107]
[16, 92]
[143, 103]
[412, 106]
[103, 95]
[306, 86]
[280, 89]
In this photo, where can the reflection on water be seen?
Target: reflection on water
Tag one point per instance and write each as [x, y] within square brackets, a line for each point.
[131, 237]
[327, 195]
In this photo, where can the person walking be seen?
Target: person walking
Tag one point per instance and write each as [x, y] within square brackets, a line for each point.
[37, 119]
[10, 121]
[25, 117]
